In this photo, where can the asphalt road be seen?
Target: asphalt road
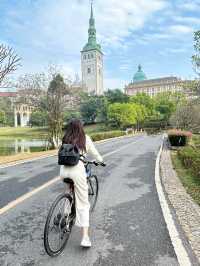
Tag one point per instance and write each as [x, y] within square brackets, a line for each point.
[127, 227]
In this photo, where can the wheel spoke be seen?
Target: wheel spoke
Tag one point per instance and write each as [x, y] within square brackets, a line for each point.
[58, 228]
[92, 191]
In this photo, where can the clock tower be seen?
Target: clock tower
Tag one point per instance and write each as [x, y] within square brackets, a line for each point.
[92, 62]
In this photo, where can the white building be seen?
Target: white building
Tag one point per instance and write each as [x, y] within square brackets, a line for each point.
[92, 62]
[152, 87]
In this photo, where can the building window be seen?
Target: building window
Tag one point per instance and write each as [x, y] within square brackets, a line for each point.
[92, 56]
[84, 56]
[88, 56]
[89, 70]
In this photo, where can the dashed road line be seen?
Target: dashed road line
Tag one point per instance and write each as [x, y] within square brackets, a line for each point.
[27, 195]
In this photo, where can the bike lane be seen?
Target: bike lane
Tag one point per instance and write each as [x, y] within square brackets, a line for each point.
[20, 179]
[127, 227]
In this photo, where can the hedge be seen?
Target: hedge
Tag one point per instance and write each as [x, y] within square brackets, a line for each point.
[178, 137]
[107, 135]
[190, 157]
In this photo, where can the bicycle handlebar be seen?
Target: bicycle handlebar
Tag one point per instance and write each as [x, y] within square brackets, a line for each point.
[93, 162]
[98, 163]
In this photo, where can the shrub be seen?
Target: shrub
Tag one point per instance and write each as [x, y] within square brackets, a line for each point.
[152, 131]
[190, 158]
[178, 137]
[130, 130]
[107, 135]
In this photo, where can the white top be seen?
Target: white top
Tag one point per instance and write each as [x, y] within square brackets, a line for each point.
[90, 148]
[79, 169]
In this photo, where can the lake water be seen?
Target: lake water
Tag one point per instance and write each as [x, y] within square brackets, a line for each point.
[15, 145]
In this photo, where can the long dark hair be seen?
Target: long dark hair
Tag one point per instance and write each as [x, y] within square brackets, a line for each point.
[75, 134]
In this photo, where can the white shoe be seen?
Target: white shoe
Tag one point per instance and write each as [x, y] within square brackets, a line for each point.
[86, 243]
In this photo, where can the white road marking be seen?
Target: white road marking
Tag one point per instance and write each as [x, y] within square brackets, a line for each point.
[25, 161]
[179, 248]
[49, 183]
[123, 147]
[27, 195]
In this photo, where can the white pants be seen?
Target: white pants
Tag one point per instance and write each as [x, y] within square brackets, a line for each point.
[78, 175]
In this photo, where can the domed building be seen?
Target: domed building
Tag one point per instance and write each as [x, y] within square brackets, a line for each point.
[139, 75]
[140, 84]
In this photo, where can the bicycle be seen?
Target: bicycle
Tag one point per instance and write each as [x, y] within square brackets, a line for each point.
[63, 218]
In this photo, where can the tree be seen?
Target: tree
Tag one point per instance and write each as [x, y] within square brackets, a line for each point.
[9, 61]
[141, 114]
[194, 86]
[103, 109]
[71, 114]
[122, 114]
[55, 99]
[2, 117]
[165, 105]
[196, 56]
[6, 105]
[93, 108]
[145, 100]
[39, 118]
[187, 116]
[116, 96]
[31, 88]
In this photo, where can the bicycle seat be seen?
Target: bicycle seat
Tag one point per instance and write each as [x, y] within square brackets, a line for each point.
[68, 180]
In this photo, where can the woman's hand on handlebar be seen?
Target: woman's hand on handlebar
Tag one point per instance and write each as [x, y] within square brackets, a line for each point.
[99, 163]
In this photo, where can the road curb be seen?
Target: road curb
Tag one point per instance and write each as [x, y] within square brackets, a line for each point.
[185, 210]
[179, 248]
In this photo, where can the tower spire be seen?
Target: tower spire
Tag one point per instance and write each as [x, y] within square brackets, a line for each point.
[92, 39]
[92, 59]
[92, 29]
[91, 15]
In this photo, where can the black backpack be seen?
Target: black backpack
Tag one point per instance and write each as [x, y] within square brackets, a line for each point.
[68, 155]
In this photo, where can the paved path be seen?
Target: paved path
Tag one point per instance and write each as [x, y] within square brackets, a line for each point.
[127, 227]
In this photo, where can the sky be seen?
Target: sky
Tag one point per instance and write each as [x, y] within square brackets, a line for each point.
[158, 34]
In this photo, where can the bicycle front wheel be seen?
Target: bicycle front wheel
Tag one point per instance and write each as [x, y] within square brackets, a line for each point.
[58, 225]
[93, 190]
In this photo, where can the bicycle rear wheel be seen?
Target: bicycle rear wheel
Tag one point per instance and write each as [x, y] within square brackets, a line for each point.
[58, 225]
[93, 190]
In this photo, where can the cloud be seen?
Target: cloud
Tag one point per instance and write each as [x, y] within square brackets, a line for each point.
[180, 29]
[187, 20]
[44, 31]
[164, 33]
[189, 5]
[124, 67]
[173, 51]
[117, 19]
[113, 83]
[63, 25]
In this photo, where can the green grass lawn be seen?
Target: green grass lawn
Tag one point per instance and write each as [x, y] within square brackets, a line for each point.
[196, 140]
[95, 128]
[40, 133]
[23, 132]
[189, 181]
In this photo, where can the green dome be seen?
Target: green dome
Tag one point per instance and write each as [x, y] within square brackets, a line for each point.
[139, 75]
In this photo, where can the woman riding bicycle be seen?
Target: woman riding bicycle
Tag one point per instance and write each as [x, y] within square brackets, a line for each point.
[75, 135]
